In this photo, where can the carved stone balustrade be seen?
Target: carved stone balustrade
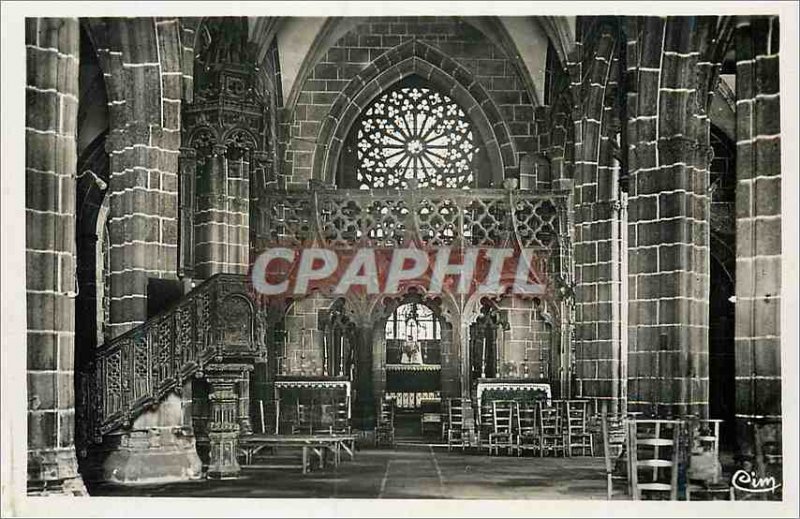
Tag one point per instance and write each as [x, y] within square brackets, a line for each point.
[391, 218]
[212, 324]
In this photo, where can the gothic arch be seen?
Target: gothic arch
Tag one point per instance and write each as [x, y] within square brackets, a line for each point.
[407, 59]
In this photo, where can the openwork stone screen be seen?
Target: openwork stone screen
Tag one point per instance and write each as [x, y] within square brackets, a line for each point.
[415, 133]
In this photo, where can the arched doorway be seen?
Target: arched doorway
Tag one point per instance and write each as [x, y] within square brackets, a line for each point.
[413, 365]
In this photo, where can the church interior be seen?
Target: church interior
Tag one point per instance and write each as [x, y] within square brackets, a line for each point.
[639, 158]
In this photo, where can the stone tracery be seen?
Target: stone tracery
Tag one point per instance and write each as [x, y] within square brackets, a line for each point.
[415, 133]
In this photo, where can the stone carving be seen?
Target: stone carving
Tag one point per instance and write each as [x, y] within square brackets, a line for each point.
[138, 368]
[236, 320]
[388, 218]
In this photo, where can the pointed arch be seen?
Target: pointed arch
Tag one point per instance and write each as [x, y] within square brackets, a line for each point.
[414, 58]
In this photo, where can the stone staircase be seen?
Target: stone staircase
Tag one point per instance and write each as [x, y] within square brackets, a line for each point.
[138, 392]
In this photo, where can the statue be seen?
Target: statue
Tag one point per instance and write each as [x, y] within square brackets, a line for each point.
[411, 353]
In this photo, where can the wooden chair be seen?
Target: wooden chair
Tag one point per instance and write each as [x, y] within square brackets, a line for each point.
[384, 432]
[456, 435]
[577, 433]
[551, 430]
[323, 418]
[768, 455]
[486, 424]
[431, 417]
[303, 419]
[653, 457]
[503, 432]
[613, 431]
[527, 428]
[342, 424]
[704, 436]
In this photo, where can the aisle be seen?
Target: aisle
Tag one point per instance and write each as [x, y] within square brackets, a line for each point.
[406, 472]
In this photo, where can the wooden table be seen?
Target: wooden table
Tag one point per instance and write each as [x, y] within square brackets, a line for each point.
[311, 445]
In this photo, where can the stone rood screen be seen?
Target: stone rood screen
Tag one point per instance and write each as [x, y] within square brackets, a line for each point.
[284, 271]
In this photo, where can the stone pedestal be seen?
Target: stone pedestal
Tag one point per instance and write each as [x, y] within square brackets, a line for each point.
[157, 448]
[223, 428]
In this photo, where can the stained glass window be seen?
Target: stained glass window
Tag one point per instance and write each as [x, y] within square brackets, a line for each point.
[413, 319]
[417, 133]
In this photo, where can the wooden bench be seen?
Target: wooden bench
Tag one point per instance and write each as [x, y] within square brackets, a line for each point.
[316, 445]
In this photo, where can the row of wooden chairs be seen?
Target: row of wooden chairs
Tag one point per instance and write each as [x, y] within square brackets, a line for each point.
[559, 429]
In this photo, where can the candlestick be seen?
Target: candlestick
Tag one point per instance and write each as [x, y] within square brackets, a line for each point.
[483, 359]
[325, 354]
[341, 355]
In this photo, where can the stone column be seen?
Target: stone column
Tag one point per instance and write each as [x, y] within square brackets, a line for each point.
[210, 221]
[52, 48]
[461, 340]
[223, 426]
[451, 366]
[596, 192]
[186, 181]
[262, 175]
[668, 252]
[245, 425]
[758, 235]
[365, 395]
[142, 74]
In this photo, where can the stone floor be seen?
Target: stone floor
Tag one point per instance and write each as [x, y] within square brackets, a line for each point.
[417, 472]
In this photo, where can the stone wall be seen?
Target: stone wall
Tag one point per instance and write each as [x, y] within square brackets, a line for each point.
[303, 343]
[524, 351]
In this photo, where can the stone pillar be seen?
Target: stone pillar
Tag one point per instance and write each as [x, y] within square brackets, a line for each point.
[51, 45]
[451, 363]
[143, 76]
[596, 193]
[365, 401]
[237, 206]
[261, 177]
[245, 425]
[668, 156]
[186, 201]
[221, 218]
[758, 234]
[460, 345]
[210, 229]
[223, 426]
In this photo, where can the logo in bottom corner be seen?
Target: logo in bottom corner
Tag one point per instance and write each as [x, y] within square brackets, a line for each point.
[751, 482]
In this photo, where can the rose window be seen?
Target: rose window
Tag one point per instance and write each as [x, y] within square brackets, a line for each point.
[415, 133]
